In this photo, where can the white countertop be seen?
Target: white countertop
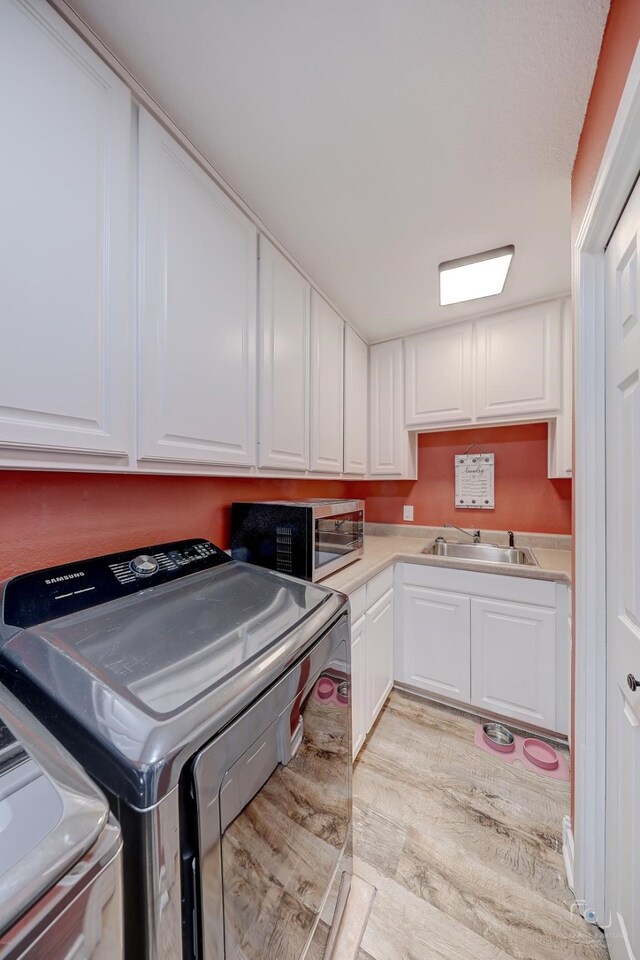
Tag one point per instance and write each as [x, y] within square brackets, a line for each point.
[380, 551]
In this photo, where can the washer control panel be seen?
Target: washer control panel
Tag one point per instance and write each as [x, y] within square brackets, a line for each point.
[49, 594]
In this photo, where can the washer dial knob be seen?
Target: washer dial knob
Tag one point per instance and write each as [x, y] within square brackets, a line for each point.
[144, 565]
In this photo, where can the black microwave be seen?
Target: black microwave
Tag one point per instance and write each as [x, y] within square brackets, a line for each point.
[309, 539]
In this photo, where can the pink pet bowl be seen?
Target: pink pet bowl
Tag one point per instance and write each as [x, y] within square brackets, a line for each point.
[325, 688]
[540, 753]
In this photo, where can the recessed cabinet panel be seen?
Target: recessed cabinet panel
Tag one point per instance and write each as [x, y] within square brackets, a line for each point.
[65, 240]
[439, 376]
[197, 332]
[560, 429]
[285, 304]
[327, 385]
[513, 661]
[391, 450]
[518, 362]
[358, 685]
[379, 637]
[435, 646]
[356, 402]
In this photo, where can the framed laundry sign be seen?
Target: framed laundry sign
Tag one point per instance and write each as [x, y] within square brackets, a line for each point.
[475, 480]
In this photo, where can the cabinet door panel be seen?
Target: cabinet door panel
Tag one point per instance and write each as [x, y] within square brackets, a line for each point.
[391, 451]
[327, 384]
[356, 402]
[284, 362]
[358, 685]
[379, 655]
[439, 377]
[518, 362]
[65, 240]
[436, 642]
[197, 366]
[513, 661]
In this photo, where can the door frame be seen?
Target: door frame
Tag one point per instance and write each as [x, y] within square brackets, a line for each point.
[615, 180]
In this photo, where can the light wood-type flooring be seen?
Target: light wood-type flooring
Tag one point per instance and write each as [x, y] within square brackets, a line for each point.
[464, 849]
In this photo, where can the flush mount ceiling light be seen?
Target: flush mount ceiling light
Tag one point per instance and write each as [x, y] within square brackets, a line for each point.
[470, 278]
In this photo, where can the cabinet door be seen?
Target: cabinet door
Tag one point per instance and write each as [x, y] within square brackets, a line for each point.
[439, 376]
[435, 646]
[561, 429]
[356, 402]
[358, 685]
[197, 322]
[518, 362]
[65, 241]
[327, 384]
[390, 448]
[513, 661]
[285, 307]
[379, 656]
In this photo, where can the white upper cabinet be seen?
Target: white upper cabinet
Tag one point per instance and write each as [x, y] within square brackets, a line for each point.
[518, 362]
[356, 403]
[64, 244]
[439, 376]
[561, 429]
[327, 386]
[391, 450]
[198, 316]
[285, 337]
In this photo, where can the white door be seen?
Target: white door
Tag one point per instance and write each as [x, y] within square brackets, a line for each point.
[358, 685]
[198, 318]
[327, 385]
[379, 655]
[439, 376]
[435, 646]
[513, 661]
[65, 374]
[356, 402]
[623, 585]
[518, 362]
[285, 305]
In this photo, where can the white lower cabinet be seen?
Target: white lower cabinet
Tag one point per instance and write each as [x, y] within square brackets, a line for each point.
[494, 642]
[513, 661]
[358, 685]
[438, 657]
[379, 638]
[372, 653]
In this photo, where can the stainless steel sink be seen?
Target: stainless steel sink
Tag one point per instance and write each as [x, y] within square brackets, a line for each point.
[484, 552]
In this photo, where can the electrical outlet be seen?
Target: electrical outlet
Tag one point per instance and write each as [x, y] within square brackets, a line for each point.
[407, 513]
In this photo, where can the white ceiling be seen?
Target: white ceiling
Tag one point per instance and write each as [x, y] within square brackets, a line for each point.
[376, 138]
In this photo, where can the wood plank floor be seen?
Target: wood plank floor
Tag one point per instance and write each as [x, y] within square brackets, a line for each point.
[465, 850]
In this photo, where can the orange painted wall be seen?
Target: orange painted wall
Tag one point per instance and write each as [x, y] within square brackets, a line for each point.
[526, 499]
[50, 518]
[621, 36]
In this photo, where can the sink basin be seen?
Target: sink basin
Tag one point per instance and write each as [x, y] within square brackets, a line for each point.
[484, 552]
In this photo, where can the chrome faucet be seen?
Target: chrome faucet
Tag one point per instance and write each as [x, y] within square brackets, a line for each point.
[475, 535]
